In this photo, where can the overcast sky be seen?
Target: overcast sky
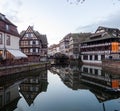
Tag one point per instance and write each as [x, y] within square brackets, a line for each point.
[57, 18]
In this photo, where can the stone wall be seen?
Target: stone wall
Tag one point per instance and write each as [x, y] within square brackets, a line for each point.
[111, 63]
[6, 70]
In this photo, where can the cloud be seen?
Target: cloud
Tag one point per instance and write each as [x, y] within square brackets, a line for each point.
[11, 9]
[112, 21]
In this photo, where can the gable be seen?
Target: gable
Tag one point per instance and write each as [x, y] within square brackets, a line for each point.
[29, 34]
[30, 29]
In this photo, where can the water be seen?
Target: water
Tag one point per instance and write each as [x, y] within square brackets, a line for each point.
[70, 88]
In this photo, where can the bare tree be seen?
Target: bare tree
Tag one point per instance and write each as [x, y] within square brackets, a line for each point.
[78, 1]
[75, 1]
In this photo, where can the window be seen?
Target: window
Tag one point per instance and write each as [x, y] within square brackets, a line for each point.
[102, 57]
[31, 50]
[96, 71]
[1, 39]
[24, 43]
[34, 50]
[26, 35]
[8, 40]
[37, 42]
[91, 71]
[90, 57]
[85, 70]
[34, 42]
[1, 101]
[96, 57]
[25, 51]
[29, 35]
[85, 57]
[7, 27]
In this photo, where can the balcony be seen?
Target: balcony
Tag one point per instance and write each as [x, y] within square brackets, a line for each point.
[96, 45]
[96, 52]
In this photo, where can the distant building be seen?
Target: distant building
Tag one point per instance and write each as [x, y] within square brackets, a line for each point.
[9, 40]
[103, 44]
[33, 44]
[53, 49]
[74, 42]
[64, 45]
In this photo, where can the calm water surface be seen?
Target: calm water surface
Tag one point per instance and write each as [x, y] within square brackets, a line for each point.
[68, 88]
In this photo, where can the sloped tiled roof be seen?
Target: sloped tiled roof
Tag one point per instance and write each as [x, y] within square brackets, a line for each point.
[12, 28]
[106, 34]
[80, 36]
[43, 38]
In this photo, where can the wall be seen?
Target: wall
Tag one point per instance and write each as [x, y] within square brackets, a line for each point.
[6, 70]
[111, 63]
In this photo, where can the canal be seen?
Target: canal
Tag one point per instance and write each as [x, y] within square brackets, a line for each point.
[61, 88]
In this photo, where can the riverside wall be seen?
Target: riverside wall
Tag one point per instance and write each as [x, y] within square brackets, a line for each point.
[111, 63]
[112, 66]
[7, 70]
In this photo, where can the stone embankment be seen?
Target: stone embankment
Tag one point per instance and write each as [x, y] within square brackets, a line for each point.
[111, 63]
[112, 66]
[6, 70]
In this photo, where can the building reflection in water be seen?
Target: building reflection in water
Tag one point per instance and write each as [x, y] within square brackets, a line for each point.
[29, 84]
[9, 94]
[105, 86]
[34, 85]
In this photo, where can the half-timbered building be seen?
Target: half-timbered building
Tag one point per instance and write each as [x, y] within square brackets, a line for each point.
[103, 44]
[33, 44]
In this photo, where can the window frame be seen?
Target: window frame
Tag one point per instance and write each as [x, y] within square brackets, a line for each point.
[1, 38]
[8, 40]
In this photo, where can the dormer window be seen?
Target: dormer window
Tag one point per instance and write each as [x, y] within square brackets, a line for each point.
[7, 27]
[2, 16]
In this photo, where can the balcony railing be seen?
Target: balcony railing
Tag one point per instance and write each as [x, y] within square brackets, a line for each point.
[96, 52]
[96, 45]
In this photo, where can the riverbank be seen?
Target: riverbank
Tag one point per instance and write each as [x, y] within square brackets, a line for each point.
[111, 63]
[7, 70]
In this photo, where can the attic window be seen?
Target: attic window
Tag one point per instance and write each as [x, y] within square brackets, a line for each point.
[7, 27]
[29, 35]
[2, 17]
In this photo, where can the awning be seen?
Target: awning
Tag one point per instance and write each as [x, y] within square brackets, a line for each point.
[17, 53]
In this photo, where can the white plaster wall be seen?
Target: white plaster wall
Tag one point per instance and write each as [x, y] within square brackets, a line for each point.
[14, 42]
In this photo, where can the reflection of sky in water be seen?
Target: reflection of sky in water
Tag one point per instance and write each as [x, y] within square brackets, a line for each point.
[61, 98]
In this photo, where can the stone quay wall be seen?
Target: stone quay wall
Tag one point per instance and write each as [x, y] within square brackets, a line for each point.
[6, 70]
[111, 63]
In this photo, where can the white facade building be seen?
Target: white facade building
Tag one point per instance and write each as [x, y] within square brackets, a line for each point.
[9, 40]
